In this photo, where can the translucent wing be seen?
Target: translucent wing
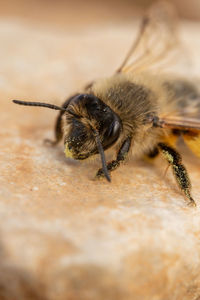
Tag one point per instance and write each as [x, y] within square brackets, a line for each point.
[156, 40]
[189, 127]
[180, 123]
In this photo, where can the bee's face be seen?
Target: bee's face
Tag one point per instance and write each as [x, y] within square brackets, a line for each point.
[86, 115]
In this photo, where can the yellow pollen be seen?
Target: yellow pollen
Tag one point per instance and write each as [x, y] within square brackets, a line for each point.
[68, 152]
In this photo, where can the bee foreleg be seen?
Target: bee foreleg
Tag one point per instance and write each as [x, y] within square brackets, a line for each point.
[58, 131]
[179, 171]
[58, 125]
[121, 156]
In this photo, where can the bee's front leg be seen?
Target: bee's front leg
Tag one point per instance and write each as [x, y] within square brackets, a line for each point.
[58, 131]
[121, 156]
[179, 171]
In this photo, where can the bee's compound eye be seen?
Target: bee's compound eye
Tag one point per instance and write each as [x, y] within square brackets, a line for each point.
[116, 128]
[111, 134]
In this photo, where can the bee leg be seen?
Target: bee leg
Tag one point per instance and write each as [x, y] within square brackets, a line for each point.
[58, 131]
[179, 171]
[58, 125]
[121, 156]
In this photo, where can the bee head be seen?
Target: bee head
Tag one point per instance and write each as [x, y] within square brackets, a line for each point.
[90, 128]
[89, 119]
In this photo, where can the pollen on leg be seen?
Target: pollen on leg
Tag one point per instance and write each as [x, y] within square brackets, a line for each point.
[179, 171]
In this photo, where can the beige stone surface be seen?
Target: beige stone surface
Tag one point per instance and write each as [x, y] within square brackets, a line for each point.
[64, 235]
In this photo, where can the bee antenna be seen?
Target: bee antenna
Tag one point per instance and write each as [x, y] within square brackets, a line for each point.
[52, 106]
[101, 152]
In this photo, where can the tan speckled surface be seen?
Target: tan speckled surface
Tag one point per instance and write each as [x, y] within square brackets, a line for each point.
[62, 234]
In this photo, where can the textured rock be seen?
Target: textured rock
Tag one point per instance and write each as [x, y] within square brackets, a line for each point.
[64, 235]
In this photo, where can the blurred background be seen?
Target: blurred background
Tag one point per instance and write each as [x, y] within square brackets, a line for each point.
[77, 12]
[51, 48]
[59, 229]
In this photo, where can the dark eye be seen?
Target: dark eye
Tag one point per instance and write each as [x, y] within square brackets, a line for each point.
[114, 129]
[111, 134]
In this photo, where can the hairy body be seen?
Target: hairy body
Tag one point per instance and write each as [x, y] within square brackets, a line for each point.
[136, 99]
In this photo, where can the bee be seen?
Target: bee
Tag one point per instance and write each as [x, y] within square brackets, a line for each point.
[139, 109]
